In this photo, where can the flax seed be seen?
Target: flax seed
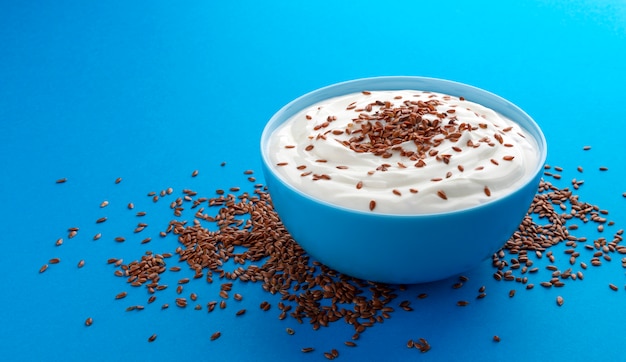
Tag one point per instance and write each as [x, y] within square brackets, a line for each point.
[43, 268]
[613, 287]
[372, 205]
[559, 301]
[152, 338]
[216, 335]
[442, 194]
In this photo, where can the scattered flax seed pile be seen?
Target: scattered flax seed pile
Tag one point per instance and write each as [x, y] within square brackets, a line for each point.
[245, 229]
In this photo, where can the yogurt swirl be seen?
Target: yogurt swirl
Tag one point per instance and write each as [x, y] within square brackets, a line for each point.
[402, 152]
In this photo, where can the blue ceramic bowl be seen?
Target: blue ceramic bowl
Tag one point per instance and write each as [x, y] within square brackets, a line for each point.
[400, 248]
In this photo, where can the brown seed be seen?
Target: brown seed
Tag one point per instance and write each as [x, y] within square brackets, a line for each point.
[586, 148]
[43, 268]
[496, 338]
[290, 331]
[508, 158]
[359, 185]
[487, 191]
[462, 303]
[54, 261]
[101, 220]
[121, 295]
[61, 180]
[81, 263]
[442, 194]
[240, 312]
[152, 338]
[59, 242]
[194, 173]
[349, 343]
[602, 168]
[216, 335]
[104, 203]
[307, 349]
[120, 239]
[97, 236]
[372, 205]
[118, 180]
[559, 301]
[131, 205]
[613, 287]
[88, 321]
[511, 293]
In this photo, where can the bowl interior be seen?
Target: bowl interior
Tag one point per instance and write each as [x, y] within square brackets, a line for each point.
[470, 93]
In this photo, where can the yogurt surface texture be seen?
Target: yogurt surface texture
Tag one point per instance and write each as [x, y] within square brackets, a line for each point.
[402, 152]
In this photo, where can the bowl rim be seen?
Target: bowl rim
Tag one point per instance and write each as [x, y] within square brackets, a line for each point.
[310, 98]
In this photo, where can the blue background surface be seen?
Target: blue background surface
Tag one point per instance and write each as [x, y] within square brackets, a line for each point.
[150, 91]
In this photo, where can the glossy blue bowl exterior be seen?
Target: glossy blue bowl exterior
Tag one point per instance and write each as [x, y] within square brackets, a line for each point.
[401, 248]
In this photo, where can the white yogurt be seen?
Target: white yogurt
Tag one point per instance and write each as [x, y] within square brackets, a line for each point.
[476, 167]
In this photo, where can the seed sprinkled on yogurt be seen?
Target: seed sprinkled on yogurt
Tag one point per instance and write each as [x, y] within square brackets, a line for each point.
[401, 139]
